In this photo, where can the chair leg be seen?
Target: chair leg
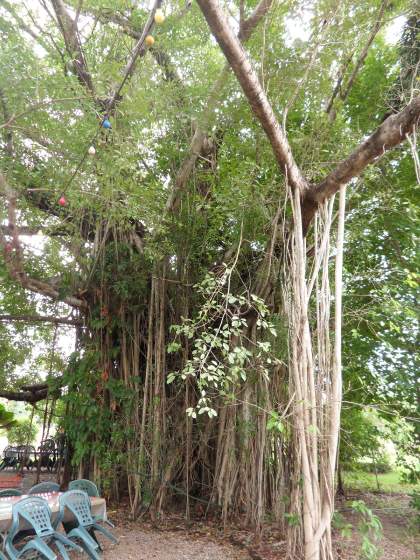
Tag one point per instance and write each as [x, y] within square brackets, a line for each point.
[90, 551]
[38, 545]
[84, 537]
[62, 550]
[64, 541]
[101, 520]
[91, 532]
[105, 532]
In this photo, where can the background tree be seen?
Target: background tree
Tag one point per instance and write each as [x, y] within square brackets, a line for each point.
[7, 420]
[22, 433]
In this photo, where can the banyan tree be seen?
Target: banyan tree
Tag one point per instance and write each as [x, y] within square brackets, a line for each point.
[186, 201]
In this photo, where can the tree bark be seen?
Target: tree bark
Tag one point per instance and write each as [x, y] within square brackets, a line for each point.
[41, 319]
[25, 396]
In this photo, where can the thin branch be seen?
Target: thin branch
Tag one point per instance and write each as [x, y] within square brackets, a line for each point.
[71, 38]
[364, 53]
[35, 106]
[8, 136]
[130, 66]
[392, 132]
[313, 58]
[23, 25]
[359, 63]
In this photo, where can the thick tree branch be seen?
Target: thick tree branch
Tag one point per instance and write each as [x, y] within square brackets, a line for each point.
[33, 393]
[13, 257]
[22, 230]
[41, 319]
[248, 25]
[24, 396]
[255, 94]
[392, 132]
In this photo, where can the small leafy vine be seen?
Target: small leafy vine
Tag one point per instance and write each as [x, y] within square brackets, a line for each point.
[222, 352]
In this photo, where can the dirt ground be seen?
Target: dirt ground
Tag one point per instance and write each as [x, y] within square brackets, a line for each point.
[143, 544]
[205, 540]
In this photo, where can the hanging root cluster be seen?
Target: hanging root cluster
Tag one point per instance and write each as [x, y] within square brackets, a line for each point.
[183, 394]
[315, 378]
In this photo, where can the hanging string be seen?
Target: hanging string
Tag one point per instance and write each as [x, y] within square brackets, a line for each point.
[127, 73]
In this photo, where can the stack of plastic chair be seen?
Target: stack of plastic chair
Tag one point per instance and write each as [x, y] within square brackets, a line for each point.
[85, 486]
[9, 492]
[44, 488]
[84, 526]
[91, 490]
[37, 514]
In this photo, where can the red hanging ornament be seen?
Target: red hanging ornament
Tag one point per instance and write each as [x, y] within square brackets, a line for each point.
[62, 201]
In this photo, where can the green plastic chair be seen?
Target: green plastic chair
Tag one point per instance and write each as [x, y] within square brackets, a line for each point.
[44, 488]
[91, 490]
[37, 513]
[78, 503]
[86, 486]
[8, 492]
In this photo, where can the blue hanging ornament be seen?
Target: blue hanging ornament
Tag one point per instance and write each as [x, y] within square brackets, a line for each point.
[107, 124]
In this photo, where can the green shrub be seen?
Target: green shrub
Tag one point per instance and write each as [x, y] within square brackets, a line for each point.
[23, 433]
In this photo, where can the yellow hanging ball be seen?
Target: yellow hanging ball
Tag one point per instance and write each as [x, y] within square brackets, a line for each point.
[159, 17]
[150, 41]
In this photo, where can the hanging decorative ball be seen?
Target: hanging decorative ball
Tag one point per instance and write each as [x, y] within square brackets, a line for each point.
[62, 201]
[107, 124]
[159, 17]
[150, 40]
[92, 151]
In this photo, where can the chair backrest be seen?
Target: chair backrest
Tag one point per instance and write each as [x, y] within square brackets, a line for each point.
[7, 492]
[25, 451]
[44, 487]
[85, 485]
[36, 512]
[10, 452]
[78, 503]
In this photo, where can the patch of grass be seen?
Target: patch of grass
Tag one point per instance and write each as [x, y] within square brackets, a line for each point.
[388, 483]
